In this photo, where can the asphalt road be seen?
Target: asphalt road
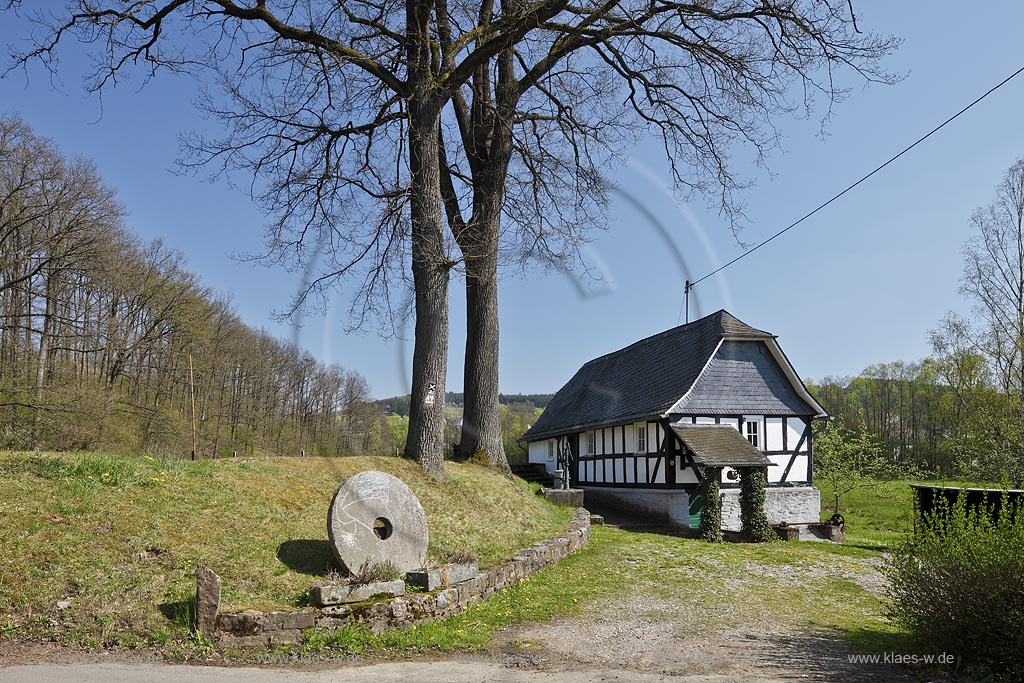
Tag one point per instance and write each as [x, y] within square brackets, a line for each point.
[404, 672]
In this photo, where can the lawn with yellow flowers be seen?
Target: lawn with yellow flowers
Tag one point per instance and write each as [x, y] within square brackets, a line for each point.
[100, 550]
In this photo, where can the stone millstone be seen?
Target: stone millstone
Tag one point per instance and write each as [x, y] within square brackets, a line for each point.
[375, 518]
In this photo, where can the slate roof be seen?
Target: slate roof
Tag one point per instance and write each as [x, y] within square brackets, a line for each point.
[719, 446]
[640, 381]
[743, 378]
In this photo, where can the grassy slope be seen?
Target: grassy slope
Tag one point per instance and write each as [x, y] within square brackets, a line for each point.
[260, 524]
[74, 528]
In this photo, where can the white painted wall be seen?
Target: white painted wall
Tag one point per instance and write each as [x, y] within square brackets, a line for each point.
[796, 430]
[799, 470]
[778, 467]
[538, 451]
[773, 433]
[673, 505]
[685, 476]
[541, 452]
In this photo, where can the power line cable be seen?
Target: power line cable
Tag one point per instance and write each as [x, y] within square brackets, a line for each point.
[691, 285]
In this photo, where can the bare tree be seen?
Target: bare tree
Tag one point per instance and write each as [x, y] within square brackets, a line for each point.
[337, 109]
[538, 126]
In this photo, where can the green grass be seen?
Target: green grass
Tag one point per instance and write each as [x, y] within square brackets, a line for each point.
[120, 537]
[805, 586]
[75, 525]
[877, 515]
[881, 514]
[722, 586]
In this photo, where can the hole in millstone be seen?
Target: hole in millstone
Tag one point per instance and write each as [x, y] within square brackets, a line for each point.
[382, 528]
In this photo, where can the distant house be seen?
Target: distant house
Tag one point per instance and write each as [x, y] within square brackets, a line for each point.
[644, 424]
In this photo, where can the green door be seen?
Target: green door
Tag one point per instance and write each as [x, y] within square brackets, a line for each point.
[696, 500]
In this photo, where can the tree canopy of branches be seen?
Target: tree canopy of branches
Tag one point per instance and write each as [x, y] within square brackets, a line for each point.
[345, 112]
[982, 359]
[98, 332]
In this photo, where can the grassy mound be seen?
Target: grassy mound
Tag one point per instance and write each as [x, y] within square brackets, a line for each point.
[102, 549]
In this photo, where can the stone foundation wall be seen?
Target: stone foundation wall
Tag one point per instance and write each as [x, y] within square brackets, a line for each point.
[792, 504]
[264, 628]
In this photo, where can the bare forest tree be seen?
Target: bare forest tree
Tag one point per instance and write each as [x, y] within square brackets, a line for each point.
[98, 331]
[343, 113]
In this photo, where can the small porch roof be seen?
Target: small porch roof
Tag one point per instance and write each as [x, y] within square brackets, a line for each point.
[718, 445]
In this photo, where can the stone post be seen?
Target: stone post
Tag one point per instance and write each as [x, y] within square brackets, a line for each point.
[207, 601]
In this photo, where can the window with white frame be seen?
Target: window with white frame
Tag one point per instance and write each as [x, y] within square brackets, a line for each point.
[591, 444]
[641, 438]
[551, 450]
[752, 430]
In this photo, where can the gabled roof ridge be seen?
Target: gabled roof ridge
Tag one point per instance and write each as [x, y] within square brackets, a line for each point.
[700, 425]
[718, 315]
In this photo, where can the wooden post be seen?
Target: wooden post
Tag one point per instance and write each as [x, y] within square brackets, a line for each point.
[192, 391]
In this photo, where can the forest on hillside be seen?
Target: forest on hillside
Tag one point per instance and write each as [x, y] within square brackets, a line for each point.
[107, 342]
[907, 410]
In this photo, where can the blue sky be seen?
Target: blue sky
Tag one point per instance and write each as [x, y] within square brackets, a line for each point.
[862, 282]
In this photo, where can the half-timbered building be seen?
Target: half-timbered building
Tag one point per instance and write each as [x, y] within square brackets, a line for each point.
[639, 424]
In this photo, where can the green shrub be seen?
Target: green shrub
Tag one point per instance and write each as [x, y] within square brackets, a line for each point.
[958, 588]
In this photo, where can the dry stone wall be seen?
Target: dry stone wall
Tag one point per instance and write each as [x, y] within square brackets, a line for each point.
[253, 628]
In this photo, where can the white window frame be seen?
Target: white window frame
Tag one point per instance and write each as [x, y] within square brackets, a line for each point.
[757, 433]
[551, 450]
[591, 443]
[641, 438]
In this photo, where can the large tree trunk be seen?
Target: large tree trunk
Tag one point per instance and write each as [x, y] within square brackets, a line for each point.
[430, 266]
[481, 420]
[489, 149]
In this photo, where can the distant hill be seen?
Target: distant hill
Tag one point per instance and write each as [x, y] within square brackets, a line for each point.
[399, 405]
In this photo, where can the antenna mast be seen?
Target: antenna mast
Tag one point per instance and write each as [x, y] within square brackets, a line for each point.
[686, 298]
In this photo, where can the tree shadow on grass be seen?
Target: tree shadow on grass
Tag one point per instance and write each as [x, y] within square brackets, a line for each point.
[306, 556]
